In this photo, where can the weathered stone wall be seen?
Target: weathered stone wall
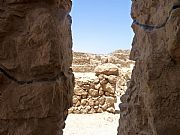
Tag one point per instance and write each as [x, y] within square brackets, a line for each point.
[35, 57]
[151, 105]
[86, 62]
[100, 80]
[95, 93]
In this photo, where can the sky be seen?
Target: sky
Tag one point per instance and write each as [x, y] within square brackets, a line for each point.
[101, 26]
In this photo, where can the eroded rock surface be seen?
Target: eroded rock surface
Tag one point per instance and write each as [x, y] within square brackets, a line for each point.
[36, 81]
[151, 105]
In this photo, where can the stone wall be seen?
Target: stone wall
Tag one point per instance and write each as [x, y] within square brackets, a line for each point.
[36, 81]
[86, 62]
[94, 93]
[151, 104]
[99, 81]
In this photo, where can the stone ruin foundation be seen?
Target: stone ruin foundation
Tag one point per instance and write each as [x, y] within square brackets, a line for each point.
[100, 80]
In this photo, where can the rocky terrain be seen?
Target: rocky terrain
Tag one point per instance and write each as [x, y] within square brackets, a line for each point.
[100, 80]
[36, 82]
[151, 104]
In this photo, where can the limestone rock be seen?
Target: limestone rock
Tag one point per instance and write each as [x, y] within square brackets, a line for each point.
[91, 102]
[78, 103]
[75, 100]
[110, 101]
[112, 79]
[84, 101]
[109, 88]
[107, 69]
[93, 92]
[111, 110]
[79, 91]
[101, 92]
[105, 106]
[97, 86]
[100, 110]
[101, 100]
[92, 111]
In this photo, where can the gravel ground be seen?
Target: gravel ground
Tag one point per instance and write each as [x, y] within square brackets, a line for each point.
[92, 124]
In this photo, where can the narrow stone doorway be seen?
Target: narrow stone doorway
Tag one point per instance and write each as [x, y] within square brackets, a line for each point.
[100, 78]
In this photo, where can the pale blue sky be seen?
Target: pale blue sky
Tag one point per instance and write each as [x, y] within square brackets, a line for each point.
[101, 26]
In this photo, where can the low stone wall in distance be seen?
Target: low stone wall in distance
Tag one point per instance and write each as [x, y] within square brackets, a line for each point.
[93, 94]
[100, 81]
[97, 92]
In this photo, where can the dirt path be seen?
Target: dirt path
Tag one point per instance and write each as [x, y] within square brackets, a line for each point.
[92, 124]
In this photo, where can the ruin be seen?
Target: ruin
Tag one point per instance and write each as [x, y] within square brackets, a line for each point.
[100, 81]
[36, 81]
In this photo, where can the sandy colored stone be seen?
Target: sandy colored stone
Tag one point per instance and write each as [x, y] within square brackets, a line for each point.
[99, 110]
[94, 93]
[109, 88]
[91, 102]
[112, 79]
[101, 77]
[111, 110]
[101, 92]
[79, 91]
[96, 103]
[70, 110]
[97, 86]
[77, 111]
[96, 107]
[92, 110]
[88, 107]
[101, 100]
[78, 104]
[110, 101]
[84, 96]
[96, 81]
[84, 111]
[74, 100]
[107, 69]
[78, 97]
[105, 106]
[84, 101]
[107, 94]
[103, 81]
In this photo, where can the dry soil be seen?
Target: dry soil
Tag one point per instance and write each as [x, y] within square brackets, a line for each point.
[92, 124]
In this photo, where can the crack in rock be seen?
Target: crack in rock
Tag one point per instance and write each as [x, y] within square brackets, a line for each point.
[20, 82]
[152, 27]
